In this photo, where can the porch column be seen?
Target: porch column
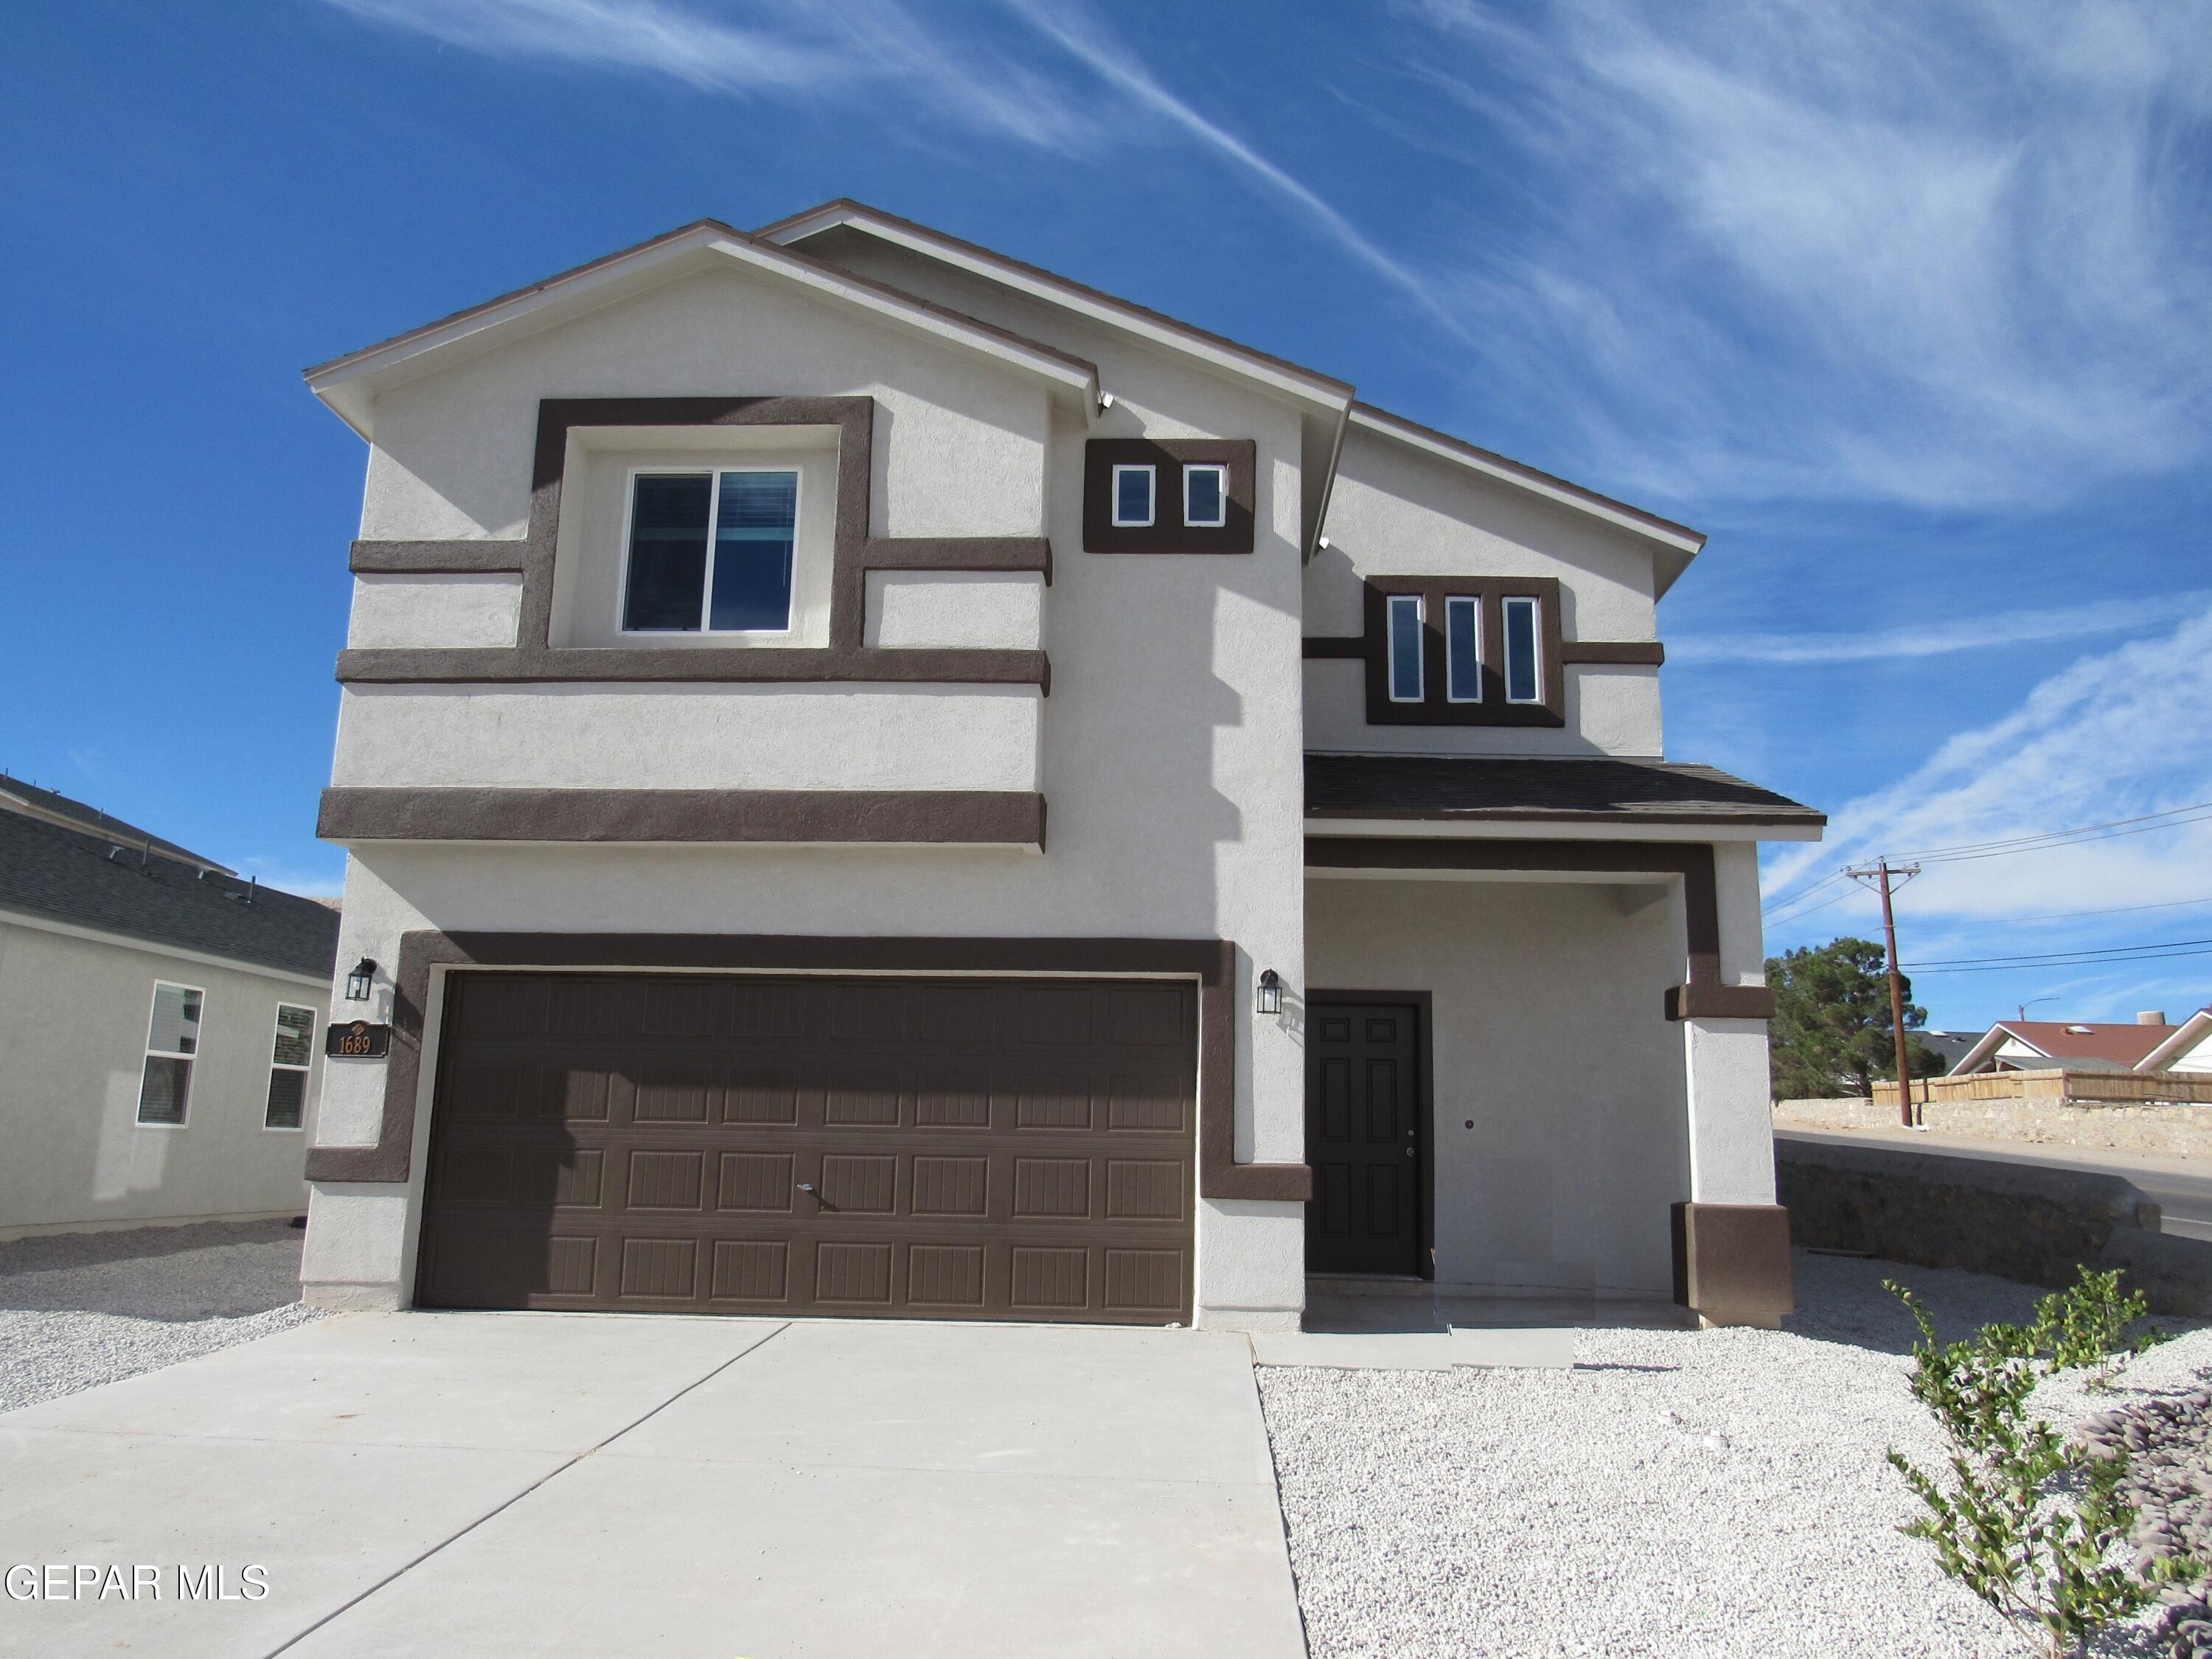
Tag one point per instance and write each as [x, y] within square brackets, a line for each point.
[1731, 1239]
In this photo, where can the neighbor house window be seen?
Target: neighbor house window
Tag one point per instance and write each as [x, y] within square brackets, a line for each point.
[288, 1062]
[1405, 649]
[1463, 650]
[1206, 496]
[711, 552]
[173, 1038]
[1525, 676]
[1133, 488]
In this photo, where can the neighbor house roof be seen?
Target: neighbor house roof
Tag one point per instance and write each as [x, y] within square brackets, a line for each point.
[1223, 352]
[347, 384]
[2109, 1046]
[1546, 790]
[53, 807]
[2182, 1041]
[113, 886]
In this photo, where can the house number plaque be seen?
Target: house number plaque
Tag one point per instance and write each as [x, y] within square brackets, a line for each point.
[357, 1040]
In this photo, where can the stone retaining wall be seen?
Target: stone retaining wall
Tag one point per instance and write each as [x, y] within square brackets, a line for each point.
[2020, 1221]
[2148, 1131]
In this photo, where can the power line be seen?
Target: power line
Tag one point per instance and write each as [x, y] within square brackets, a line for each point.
[2116, 910]
[1979, 846]
[2031, 958]
[2009, 968]
[1802, 893]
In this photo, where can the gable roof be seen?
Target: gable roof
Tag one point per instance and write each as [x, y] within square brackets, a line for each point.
[66, 875]
[51, 806]
[2109, 1045]
[347, 384]
[2182, 1041]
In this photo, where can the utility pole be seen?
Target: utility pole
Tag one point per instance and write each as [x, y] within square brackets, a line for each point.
[1904, 873]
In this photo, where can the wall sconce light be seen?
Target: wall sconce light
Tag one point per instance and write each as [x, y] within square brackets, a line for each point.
[361, 980]
[1269, 998]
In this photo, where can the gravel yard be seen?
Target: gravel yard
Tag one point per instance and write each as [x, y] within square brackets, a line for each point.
[77, 1309]
[1676, 1494]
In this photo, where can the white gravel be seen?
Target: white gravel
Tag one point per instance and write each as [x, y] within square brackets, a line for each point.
[77, 1309]
[1678, 1493]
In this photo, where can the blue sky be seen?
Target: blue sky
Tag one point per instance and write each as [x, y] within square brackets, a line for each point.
[1907, 307]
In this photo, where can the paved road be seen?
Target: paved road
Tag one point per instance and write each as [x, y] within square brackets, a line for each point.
[488, 1484]
[2181, 1190]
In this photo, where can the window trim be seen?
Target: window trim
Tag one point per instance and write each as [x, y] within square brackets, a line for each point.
[1420, 646]
[1471, 602]
[148, 1051]
[1152, 496]
[1535, 645]
[306, 1072]
[713, 471]
[1221, 475]
[1436, 707]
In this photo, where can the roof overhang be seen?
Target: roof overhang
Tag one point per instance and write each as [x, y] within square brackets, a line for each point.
[2187, 1037]
[1676, 544]
[1287, 379]
[1983, 1053]
[349, 384]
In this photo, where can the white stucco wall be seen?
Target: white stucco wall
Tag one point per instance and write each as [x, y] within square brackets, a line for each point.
[73, 1023]
[1397, 511]
[1170, 753]
[738, 736]
[435, 611]
[955, 609]
[1561, 1137]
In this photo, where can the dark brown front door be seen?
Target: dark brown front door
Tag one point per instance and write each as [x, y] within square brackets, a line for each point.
[959, 1148]
[1364, 1138]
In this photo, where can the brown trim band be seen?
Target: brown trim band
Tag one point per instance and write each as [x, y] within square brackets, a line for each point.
[1436, 707]
[609, 665]
[847, 657]
[1167, 533]
[1319, 647]
[1212, 963]
[1704, 996]
[1640, 653]
[941, 817]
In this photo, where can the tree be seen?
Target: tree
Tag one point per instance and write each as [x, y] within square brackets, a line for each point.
[1831, 1026]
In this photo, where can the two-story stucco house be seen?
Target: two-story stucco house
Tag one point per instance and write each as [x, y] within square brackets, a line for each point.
[882, 781]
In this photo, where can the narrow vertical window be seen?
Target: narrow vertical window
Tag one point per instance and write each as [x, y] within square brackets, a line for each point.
[1133, 488]
[289, 1057]
[1405, 647]
[1524, 668]
[755, 520]
[1206, 497]
[668, 521]
[173, 1039]
[1463, 650]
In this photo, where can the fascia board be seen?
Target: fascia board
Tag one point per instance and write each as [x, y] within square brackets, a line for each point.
[1680, 538]
[2185, 1041]
[347, 384]
[1591, 828]
[1223, 355]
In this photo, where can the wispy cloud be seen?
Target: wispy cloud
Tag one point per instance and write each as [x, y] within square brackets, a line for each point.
[1942, 255]
[2113, 737]
[1999, 628]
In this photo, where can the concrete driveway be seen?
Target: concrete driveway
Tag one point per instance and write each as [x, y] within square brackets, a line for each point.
[510, 1483]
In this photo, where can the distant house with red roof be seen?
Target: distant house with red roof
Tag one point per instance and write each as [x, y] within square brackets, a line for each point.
[2148, 1043]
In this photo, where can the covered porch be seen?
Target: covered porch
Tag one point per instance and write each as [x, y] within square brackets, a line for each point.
[1535, 1024]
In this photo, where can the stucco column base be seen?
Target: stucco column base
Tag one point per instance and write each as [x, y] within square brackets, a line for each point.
[353, 1299]
[1732, 1263]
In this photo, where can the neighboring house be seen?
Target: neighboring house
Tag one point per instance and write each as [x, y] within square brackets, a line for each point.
[2149, 1044]
[1949, 1047]
[161, 1024]
[727, 613]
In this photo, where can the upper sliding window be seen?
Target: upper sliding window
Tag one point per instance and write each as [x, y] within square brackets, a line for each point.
[1463, 651]
[1136, 491]
[1206, 496]
[710, 552]
[172, 1044]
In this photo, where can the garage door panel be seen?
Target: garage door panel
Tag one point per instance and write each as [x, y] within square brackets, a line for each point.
[980, 1149]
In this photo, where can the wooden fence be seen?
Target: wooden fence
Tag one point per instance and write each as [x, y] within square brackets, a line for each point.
[2061, 1088]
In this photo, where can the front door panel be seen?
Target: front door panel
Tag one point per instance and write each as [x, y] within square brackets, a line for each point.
[1363, 1139]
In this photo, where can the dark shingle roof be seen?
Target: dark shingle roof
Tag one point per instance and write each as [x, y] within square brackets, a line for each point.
[48, 871]
[52, 804]
[1454, 786]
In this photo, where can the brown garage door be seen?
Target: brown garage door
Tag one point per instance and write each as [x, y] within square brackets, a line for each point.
[956, 1148]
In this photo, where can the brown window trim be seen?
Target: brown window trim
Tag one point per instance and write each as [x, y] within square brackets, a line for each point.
[952, 818]
[1434, 708]
[1703, 995]
[1167, 533]
[1211, 962]
[855, 553]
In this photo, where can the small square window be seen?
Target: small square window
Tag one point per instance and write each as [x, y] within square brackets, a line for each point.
[1405, 647]
[1462, 650]
[1206, 496]
[1133, 491]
